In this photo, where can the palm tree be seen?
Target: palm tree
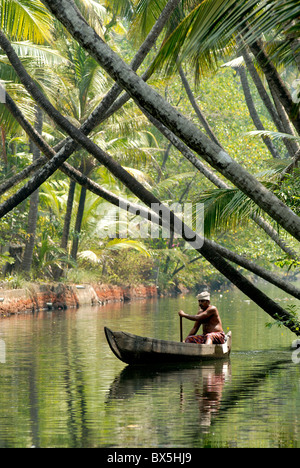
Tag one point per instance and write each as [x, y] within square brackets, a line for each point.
[39, 57]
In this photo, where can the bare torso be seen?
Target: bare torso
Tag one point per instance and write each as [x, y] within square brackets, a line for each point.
[208, 316]
[210, 319]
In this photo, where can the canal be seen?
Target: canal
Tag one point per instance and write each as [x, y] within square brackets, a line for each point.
[61, 386]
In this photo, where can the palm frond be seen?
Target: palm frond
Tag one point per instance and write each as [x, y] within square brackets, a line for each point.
[95, 13]
[225, 208]
[26, 20]
[120, 244]
[146, 13]
[273, 135]
[172, 181]
[141, 176]
[41, 54]
[204, 35]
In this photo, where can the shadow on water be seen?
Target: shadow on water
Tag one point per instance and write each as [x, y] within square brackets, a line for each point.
[247, 385]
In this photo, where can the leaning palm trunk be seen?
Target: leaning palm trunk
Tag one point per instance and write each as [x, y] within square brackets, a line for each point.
[291, 146]
[269, 230]
[252, 110]
[149, 99]
[276, 82]
[34, 204]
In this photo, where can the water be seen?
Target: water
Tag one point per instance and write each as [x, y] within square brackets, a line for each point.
[61, 386]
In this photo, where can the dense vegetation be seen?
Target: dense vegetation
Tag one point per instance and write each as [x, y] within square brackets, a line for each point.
[63, 230]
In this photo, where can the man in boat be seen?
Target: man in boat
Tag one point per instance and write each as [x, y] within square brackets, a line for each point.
[209, 317]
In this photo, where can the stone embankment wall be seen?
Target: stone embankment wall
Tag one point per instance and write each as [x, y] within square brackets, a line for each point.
[58, 296]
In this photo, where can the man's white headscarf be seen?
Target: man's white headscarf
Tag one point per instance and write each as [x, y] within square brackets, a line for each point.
[204, 296]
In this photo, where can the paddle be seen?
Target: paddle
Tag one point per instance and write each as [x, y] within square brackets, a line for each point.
[181, 335]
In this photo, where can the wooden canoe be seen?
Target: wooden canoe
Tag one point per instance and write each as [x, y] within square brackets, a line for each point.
[139, 350]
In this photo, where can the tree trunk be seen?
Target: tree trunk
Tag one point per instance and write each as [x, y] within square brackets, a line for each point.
[253, 112]
[58, 270]
[291, 146]
[295, 46]
[68, 215]
[34, 204]
[16, 178]
[197, 109]
[78, 223]
[287, 126]
[276, 82]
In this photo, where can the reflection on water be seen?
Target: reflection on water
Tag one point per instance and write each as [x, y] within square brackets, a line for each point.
[207, 381]
[61, 386]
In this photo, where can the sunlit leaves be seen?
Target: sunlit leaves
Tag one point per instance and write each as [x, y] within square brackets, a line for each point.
[26, 20]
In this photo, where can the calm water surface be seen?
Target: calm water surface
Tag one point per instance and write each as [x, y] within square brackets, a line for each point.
[60, 385]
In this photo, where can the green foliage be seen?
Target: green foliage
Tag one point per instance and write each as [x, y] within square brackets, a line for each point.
[123, 265]
[76, 84]
[289, 190]
[26, 20]
[6, 258]
[292, 322]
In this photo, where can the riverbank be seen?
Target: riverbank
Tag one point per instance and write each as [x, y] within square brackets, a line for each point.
[36, 297]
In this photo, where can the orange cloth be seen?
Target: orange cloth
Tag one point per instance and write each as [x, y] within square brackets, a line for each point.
[217, 338]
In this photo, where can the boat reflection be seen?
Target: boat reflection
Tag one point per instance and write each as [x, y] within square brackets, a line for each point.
[202, 383]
